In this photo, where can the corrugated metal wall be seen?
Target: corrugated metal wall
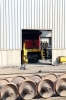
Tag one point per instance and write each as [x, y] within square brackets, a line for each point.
[32, 14]
[46, 15]
[10, 24]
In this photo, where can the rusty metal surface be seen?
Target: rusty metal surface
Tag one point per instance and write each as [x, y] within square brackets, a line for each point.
[63, 75]
[51, 76]
[2, 83]
[46, 88]
[61, 87]
[27, 89]
[9, 92]
[18, 80]
[36, 78]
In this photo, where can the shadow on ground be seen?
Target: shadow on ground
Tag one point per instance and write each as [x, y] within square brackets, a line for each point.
[42, 62]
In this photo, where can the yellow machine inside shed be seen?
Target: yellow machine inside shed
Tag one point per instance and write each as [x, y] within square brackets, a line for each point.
[31, 51]
[32, 48]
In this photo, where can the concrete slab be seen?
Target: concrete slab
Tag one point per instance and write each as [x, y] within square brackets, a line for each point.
[10, 58]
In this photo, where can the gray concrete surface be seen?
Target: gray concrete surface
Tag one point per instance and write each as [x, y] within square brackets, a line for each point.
[45, 66]
[41, 68]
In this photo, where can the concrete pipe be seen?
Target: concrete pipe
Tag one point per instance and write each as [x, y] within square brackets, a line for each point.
[61, 87]
[46, 88]
[36, 78]
[9, 92]
[18, 80]
[2, 83]
[27, 90]
[53, 77]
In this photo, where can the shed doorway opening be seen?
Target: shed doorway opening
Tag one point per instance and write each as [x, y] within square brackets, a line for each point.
[36, 46]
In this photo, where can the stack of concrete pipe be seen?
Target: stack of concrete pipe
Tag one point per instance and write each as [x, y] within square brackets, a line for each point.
[28, 88]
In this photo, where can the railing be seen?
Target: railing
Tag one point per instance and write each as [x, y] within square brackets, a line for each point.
[43, 45]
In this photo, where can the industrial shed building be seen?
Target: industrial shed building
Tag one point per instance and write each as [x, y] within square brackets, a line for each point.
[44, 15]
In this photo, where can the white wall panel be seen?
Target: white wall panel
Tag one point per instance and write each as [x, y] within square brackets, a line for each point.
[10, 18]
[8, 22]
[60, 45]
[58, 23]
[53, 16]
[36, 13]
[43, 14]
[55, 23]
[46, 15]
[13, 21]
[19, 25]
[50, 14]
[32, 14]
[65, 23]
[2, 25]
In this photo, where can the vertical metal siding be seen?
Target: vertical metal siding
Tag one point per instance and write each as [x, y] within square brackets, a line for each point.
[46, 15]
[10, 32]
[2, 24]
[32, 14]
[65, 23]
